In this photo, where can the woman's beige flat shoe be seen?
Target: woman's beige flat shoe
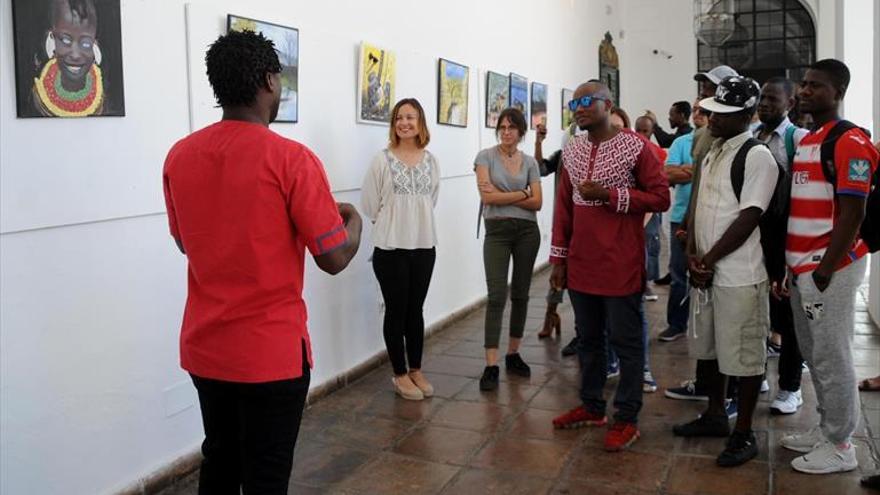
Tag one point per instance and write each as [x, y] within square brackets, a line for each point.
[424, 385]
[406, 388]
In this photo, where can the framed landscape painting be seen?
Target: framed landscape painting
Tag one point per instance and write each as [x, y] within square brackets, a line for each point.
[519, 94]
[286, 40]
[497, 96]
[567, 117]
[452, 93]
[539, 104]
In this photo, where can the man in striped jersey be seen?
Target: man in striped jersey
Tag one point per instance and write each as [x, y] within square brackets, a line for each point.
[826, 257]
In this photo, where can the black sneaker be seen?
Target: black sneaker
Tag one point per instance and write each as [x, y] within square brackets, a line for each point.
[514, 364]
[741, 448]
[664, 280]
[671, 334]
[489, 380]
[687, 391]
[704, 426]
[571, 348]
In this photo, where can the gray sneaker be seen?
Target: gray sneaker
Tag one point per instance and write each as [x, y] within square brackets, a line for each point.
[826, 459]
[803, 442]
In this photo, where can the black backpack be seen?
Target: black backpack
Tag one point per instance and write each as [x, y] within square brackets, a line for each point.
[870, 229]
[774, 220]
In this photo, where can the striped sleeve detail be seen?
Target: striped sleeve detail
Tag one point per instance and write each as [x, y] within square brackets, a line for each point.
[329, 241]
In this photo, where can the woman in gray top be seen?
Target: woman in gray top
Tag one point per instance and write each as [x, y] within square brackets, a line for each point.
[510, 190]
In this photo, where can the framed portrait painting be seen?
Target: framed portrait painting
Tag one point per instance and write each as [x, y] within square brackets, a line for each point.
[286, 40]
[376, 84]
[519, 94]
[539, 104]
[68, 58]
[497, 96]
[452, 93]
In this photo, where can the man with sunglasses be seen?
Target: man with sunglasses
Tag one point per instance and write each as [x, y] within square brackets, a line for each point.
[610, 179]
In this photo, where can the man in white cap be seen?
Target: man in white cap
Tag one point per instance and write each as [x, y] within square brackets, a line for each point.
[729, 300]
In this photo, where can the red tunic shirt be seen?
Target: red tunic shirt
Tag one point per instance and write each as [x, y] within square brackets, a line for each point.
[603, 243]
[246, 203]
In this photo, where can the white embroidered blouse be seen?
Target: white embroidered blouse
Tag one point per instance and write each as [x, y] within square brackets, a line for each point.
[400, 201]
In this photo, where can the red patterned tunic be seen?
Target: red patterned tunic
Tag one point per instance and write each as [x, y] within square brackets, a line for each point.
[603, 243]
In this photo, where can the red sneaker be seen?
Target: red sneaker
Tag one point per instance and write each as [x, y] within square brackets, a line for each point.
[577, 418]
[620, 436]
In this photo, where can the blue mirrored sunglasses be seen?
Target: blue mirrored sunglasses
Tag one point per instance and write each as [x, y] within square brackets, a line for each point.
[583, 101]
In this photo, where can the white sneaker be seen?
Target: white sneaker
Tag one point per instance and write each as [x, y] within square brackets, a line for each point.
[649, 385]
[803, 442]
[765, 387]
[786, 402]
[827, 458]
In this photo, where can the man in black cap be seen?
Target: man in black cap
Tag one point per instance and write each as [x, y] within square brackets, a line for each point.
[729, 300]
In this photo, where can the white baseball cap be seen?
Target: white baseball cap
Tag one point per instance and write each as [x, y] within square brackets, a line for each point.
[716, 75]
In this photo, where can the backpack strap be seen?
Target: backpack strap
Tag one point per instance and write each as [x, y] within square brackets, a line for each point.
[790, 148]
[738, 168]
[829, 144]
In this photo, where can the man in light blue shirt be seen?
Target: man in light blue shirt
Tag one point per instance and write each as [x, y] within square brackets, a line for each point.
[679, 171]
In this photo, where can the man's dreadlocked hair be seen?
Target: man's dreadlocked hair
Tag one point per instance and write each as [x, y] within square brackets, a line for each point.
[237, 66]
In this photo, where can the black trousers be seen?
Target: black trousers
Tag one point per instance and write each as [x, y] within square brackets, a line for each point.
[404, 276]
[790, 359]
[250, 434]
[600, 322]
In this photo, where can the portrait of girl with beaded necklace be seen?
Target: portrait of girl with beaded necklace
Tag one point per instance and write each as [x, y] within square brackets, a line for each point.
[68, 58]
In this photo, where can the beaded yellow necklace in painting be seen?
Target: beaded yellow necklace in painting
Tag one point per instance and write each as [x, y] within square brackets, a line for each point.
[63, 103]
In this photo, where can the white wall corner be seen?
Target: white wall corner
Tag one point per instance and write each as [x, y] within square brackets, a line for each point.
[874, 284]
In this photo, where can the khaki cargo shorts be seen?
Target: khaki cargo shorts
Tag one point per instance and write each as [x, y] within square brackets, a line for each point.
[731, 324]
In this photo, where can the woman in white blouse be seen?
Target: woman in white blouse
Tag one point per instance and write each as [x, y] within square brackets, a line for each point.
[398, 196]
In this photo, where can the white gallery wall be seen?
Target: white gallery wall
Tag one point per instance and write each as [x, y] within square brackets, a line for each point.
[92, 288]
[652, 81]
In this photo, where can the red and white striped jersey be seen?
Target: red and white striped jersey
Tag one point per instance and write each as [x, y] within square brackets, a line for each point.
[814, 209]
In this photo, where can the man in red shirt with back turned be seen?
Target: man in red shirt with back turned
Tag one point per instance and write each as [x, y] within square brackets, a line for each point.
[610, 180]
[243, 205]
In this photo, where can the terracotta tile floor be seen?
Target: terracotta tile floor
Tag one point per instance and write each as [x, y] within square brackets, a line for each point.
[364, 440]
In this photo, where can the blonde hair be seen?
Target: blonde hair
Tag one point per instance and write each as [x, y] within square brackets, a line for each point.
[424, 136]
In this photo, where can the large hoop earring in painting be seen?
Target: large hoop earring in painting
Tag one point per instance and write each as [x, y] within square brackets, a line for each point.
[50, 45]
[98, 56]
